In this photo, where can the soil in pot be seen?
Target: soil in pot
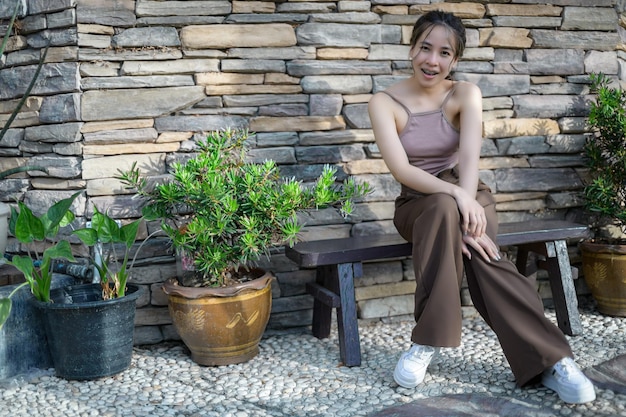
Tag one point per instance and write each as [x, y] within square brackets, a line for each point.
[89, 338]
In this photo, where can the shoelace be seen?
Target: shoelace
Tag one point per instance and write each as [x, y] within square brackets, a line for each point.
[565, 368]
[420, 354]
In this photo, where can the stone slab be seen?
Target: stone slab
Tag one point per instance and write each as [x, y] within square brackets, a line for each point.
[610, 374]
[466, 405]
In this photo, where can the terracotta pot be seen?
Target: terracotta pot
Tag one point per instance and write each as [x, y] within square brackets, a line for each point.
[604, 268]
[221, 326]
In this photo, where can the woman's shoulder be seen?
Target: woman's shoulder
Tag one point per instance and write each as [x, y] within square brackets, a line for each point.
[391, 91]
[384, 96]
[466, 87]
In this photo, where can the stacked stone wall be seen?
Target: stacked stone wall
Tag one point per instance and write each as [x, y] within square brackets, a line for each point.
[137, 80]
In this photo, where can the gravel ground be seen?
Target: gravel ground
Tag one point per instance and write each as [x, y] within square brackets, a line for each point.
[296, 374]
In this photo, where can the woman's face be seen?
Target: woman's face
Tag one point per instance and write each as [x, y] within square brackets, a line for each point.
[433, 55]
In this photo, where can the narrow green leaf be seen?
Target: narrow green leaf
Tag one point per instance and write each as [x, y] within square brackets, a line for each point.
[5, 310]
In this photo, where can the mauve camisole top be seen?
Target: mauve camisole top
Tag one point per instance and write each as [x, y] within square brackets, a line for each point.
[430, 141]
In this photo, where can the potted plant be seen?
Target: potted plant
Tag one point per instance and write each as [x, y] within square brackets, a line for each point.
[604, 257]
[89, 327]
[223, 213]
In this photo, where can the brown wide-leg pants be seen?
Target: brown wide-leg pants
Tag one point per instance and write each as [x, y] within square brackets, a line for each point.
[507, 300]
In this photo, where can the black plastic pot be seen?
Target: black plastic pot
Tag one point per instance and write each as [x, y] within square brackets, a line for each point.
[89, 338]
[23, 344]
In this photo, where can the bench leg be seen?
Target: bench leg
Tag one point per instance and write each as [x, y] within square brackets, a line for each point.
[562, 286]
[322, 312]
[347, 323]
[522, 260]
[339, 279]
[561, 283]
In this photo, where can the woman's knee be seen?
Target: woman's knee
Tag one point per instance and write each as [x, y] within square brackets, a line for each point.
[434, 210]
[443, 205]
[440, 209]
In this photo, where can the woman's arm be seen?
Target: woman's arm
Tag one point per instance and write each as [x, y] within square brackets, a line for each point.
[470, 116]
[470, 108]
[474, 221]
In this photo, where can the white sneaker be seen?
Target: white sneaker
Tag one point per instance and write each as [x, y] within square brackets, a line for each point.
[569, 382]
[411, 367]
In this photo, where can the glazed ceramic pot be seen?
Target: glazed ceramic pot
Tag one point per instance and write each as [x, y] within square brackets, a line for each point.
[221, 326]
[604, 268]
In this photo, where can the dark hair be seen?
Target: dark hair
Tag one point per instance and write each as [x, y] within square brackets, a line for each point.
[438, 18]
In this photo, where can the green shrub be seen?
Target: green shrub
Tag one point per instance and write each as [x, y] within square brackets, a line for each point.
[605, 154]
[226, 212]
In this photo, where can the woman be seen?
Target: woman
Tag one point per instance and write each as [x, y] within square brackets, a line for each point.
[429, 130]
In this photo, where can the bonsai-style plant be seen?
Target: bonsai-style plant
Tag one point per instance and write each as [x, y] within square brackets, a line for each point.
[605, 152]
[224, 212]
[604, 257]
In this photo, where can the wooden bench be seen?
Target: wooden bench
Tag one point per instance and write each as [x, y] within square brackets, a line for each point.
[339, 261]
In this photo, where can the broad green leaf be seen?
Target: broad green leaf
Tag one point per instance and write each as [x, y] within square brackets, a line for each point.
[87, 235]
[28, 227]
[128, 232]
[67, 219]
[58, 211]
[62, 250]
[24, 264]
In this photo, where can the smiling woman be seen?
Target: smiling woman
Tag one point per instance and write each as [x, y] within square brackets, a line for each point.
[429, 132]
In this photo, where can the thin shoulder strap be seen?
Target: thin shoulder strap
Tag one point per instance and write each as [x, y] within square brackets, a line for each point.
[397, 101]
[445, 100]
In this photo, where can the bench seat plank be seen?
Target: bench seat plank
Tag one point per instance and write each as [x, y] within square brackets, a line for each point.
[362, 248]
